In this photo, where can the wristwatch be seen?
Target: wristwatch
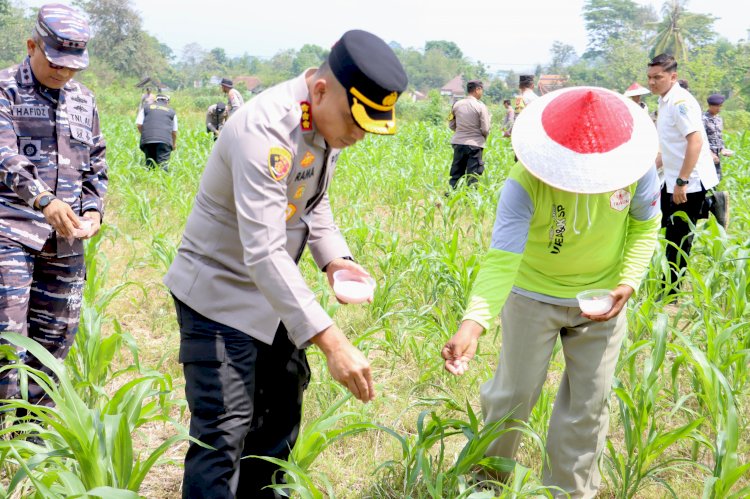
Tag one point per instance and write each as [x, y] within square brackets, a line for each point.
[45, 200]
[679, 181]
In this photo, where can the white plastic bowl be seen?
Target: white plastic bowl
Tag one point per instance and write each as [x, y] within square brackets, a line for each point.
[85, 228]
[351, 287]
[595, 301]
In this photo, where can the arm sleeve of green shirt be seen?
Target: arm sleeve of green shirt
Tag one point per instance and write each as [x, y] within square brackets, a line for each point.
[500, 265]
[492, 286]
[644, 221]
[639, 247]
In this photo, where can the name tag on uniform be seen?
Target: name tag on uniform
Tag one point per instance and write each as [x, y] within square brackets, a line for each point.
[30, 111]
[81, 117]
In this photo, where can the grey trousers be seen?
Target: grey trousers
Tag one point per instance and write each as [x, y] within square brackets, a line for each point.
[580, 418]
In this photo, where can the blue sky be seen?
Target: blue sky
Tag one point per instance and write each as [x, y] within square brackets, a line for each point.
[504, 34]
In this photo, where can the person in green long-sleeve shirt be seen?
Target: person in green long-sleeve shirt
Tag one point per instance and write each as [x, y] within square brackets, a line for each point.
[580, 211]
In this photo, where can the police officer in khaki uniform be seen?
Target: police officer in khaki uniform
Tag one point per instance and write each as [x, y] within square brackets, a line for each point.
[234, 97]
[54, 177]
[216, 116]
[245, 312]
[470, 121]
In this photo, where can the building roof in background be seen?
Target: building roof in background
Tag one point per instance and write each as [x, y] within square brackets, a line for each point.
[148, 82]
[548, 83]
[251, 82]
[454, 87]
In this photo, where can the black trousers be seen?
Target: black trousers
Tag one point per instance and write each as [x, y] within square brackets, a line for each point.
[245, 398]
[157, 153]
[677, 230]
[467, 160]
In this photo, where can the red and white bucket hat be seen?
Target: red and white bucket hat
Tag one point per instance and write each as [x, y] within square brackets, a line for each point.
[636, 89]
[587, 140]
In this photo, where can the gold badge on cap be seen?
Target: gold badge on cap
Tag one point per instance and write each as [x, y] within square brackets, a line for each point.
[390, 99]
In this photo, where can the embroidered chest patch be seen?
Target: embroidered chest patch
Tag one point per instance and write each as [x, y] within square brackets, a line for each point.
[619, 200]
[80, 110]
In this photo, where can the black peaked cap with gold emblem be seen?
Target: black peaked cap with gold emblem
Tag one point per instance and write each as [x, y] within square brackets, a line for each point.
[373, 78]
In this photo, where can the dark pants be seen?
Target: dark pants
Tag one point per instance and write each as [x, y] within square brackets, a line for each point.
[245, 398]
[467, 160]
[677, 230]
[40, 297]
[156, 153]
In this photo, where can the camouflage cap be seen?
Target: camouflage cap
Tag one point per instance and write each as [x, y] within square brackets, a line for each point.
[65, 33]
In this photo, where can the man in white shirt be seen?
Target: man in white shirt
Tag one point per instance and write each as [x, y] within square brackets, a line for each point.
[685, 157]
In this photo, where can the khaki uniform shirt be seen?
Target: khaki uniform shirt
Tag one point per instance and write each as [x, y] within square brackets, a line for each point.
[234, 101]
[214, 120]
[471, 122]
[261, 200]
[52, 143]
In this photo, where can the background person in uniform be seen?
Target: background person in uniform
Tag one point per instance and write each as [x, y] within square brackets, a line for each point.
[216, 116]
[146, 98]
[157, 124]
[526, 93]
[54, 175]
[597, 149]
[510, 117]
[246, 314]
[470, 121]
[685, 159]
[714, 126]
[525, 97]
[234, 97]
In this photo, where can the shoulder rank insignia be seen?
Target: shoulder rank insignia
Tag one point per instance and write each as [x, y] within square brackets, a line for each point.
[305, 121]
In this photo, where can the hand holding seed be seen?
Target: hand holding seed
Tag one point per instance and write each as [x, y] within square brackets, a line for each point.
[461, 348]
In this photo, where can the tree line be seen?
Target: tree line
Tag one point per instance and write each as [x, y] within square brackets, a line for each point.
[622, 36]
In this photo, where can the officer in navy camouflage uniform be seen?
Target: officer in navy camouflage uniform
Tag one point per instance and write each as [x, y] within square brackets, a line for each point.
[54, 174]
[714, 125]
[246, 314]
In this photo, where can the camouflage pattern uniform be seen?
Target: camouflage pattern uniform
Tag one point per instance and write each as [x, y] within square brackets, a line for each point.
[50, 141]
[714, 126]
